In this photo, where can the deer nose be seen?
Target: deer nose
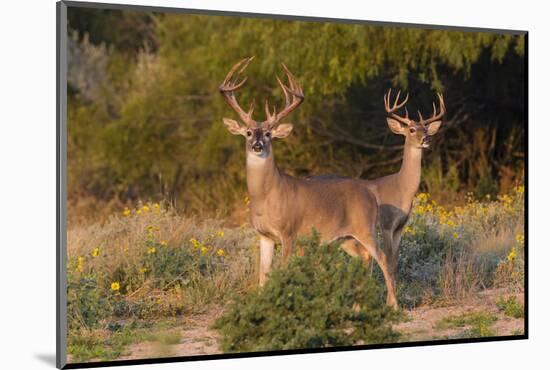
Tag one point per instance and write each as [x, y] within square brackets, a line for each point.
[257, 146]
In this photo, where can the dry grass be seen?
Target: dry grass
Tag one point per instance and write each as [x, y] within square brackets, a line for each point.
[150, 262]
[447, 254]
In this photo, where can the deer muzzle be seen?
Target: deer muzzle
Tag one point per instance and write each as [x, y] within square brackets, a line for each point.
[426, 141]
[258, 147]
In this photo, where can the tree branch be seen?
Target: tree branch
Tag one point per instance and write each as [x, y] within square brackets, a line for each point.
[344, 137]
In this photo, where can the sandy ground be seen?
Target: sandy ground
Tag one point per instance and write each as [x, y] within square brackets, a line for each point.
[198, 339]
[422, 323]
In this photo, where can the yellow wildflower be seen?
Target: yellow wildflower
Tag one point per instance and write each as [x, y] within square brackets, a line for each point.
[520, 189]
[156, 206]
[126, 212]
[138, 212]
[512, 255]
[456, 236]
[422, 197]
[409, 230]
[506, 199]
[115, 286]
[80, 263]
[163, 243]
[151, 230]
[95, 252]
[152, 250]
[221, 233]
[204, 250]
[145, 208]
[221, 252]
[143, 270]
[520, 238]
[451, 223]
[195, 242]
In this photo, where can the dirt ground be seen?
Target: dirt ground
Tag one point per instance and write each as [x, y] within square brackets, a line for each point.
[421, 325]
[196, 339]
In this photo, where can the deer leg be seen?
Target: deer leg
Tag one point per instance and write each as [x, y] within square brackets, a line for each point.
[287, 248]
[396, 240]
[391, 254]
[266, 257]
[350, 247]
[371, 248]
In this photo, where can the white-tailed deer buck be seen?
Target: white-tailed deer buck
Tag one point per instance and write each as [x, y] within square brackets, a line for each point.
[283, 207]
[395, 193]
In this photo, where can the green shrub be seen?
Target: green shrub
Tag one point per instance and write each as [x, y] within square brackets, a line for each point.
[479, 322]
[481, 325]
[323, 299]
[511, 307]
[421, 257]
[86, 305]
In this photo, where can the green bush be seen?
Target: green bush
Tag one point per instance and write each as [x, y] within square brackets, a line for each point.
[323, 299]
[86, 306]
[480, 324]
[511, 307]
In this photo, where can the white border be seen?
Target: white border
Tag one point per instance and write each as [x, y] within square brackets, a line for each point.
[28, 181]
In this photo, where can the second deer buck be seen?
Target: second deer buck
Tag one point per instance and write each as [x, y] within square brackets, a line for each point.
[395, 193]
[283, 207]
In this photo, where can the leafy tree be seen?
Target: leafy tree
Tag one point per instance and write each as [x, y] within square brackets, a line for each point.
[156, 132]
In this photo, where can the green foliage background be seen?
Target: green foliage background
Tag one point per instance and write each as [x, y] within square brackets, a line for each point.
[145, 115]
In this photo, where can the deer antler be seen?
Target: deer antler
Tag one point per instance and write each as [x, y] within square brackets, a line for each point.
[395, 106]
[294, 89]
[230, 85]
[436, 116]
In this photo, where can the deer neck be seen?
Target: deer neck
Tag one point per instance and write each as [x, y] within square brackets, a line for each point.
[411, 168]
[261, 175]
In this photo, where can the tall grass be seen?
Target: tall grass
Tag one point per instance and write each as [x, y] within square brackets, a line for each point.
[149, 262]
[447, 254]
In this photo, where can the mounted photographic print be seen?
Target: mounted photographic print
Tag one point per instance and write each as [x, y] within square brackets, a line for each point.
[235, 184]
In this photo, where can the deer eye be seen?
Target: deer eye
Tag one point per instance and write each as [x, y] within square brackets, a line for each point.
[249, 133]
[412, 130]
[268, 134]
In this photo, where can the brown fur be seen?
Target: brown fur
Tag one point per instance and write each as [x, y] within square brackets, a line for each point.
[395, 193]
[283, 207]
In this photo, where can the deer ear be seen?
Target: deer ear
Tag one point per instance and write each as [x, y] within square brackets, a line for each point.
[433, 127]
[234, 127]
[282, 131]
[396, 126]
